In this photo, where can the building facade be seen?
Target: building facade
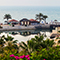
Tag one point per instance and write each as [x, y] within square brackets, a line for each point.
[25, 22]
[13, 21]
[34, 22]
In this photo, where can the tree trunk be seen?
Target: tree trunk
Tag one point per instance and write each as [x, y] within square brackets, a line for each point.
[7, 20]
[45, 21]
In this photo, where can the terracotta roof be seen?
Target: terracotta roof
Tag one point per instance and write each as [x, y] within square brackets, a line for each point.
[13, 20]
[34, 20]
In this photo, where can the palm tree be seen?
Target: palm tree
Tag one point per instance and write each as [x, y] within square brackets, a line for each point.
[44, 17]
[7, 16]
[9, 42]
[32, 45]
[29, 47]
[36, 43]
[39, 16]
[47, 43]
[2, 42]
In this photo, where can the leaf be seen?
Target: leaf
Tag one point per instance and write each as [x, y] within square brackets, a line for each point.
[36, 37]
[41, 37]
[15, 41]
[33, 39]
[59, 41]
[22, 47]
[24, 44]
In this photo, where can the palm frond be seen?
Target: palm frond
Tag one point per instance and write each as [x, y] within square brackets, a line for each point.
[22, 47]
[15, 41]
[59, 41]
[41, 37]
[36, 37]
[24, 44]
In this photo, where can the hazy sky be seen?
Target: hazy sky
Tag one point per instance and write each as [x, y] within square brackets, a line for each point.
[29, 2]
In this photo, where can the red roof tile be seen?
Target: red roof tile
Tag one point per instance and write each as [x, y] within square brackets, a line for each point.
[33, 20]
[13, 20]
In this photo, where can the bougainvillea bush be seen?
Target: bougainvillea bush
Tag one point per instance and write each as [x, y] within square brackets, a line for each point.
[23, 57]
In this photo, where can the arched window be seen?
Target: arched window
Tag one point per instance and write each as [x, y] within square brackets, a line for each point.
[22, 23]
[25, 22]
[28, 23]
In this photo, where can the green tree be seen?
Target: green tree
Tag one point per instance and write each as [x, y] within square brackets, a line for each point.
[44, 17]
[39, 16]
[29, 48]
[47, 43]
[2, 42]
[32, 45]
[10, 43]
[7, 16]
[36, 43]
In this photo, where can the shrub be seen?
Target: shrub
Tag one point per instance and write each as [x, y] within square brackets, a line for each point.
[48, 54]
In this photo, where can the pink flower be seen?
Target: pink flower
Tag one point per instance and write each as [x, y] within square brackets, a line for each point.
[12, 55]
[26, 56]
[44, 59]
[22, 56]
[16, 57]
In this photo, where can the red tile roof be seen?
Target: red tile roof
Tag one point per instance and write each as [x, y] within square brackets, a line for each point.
[13, 20]
[33, 20]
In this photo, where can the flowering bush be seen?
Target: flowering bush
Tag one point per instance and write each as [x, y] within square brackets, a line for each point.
[23, 57]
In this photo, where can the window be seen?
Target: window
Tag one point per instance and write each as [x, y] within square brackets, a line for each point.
[25, 23]
[22, 22]
[28, 23]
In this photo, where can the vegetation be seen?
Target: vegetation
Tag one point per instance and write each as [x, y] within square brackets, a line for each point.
[58, 31]
[34, 49]
[52, 53]
[7, 16]
[40, 17]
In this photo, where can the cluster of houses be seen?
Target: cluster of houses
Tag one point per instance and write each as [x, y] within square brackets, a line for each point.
[23, 22]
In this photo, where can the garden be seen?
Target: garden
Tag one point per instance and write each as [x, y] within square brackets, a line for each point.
[35, 49]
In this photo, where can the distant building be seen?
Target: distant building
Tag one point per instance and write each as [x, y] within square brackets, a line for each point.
[55, 32]
[25, 22]
[34, 22]
[13, 21]
[5, 22]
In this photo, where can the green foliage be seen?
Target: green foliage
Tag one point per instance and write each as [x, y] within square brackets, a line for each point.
[47, 43]
[40, 17]
[48, 54]
[36, 43]
[8, 38]
[37, 48]
[58, 31]
[59, 41]
[2, 42]
[32, 45]
[7, 16]
[58, 38]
